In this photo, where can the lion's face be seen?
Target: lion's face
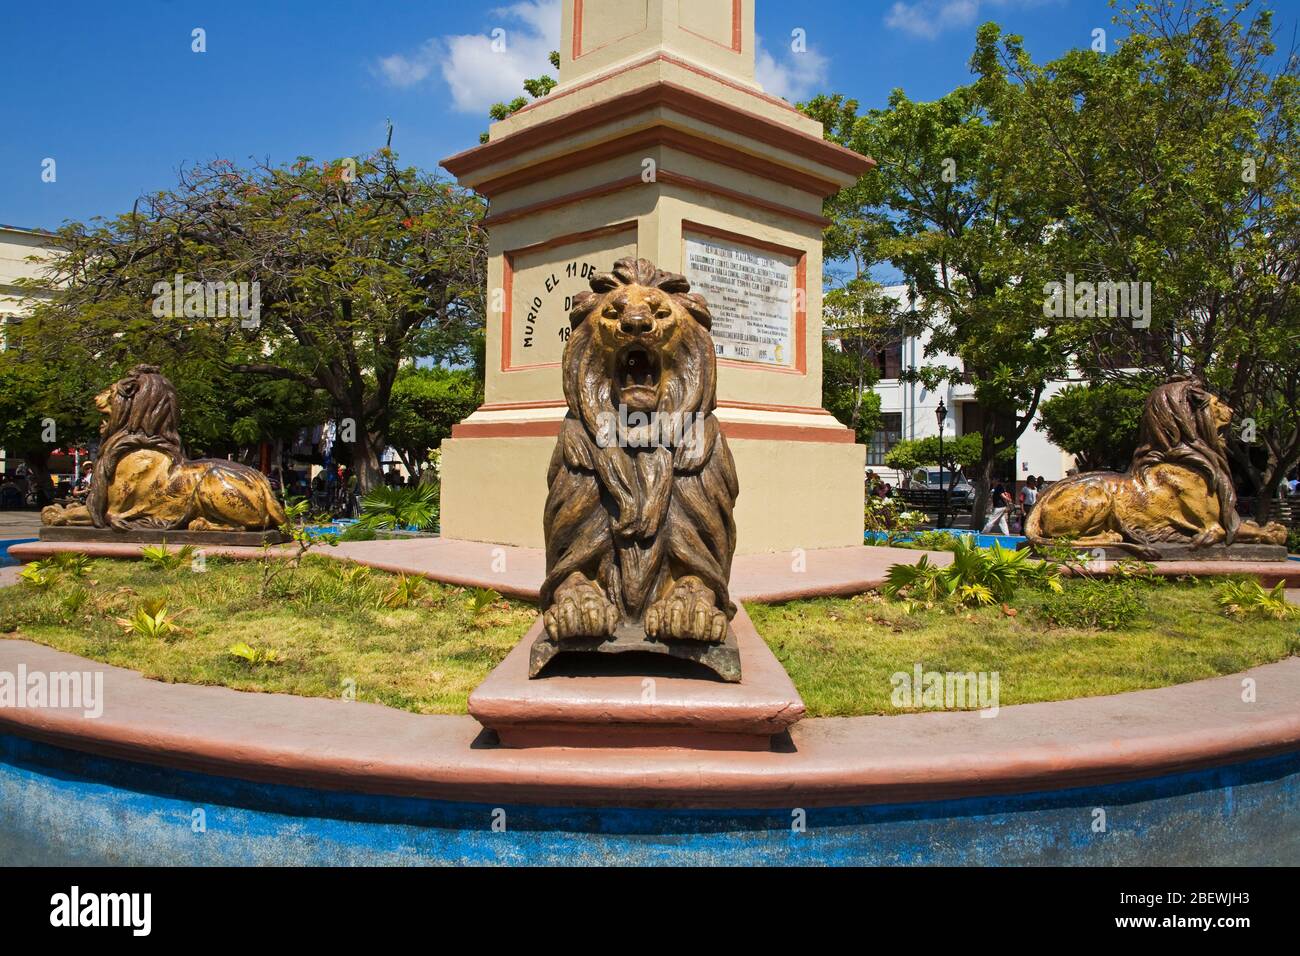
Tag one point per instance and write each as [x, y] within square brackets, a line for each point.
[114, 403]
[1221, 414]
[638, 329]
[104, 402]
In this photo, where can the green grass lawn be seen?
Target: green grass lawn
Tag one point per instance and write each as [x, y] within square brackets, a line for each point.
[331, 630]
[841, 653]
[330, 634]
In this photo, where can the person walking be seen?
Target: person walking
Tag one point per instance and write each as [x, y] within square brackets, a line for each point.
[1029, 495]
[999, 511]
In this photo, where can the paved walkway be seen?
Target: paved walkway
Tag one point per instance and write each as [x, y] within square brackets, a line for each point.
[518, 572]
[19, 524]
[766, 578]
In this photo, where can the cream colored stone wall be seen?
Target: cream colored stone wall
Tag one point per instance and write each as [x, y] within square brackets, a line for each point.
[716, 34]
[793, 494]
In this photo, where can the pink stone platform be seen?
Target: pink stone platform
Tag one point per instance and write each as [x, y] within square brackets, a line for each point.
[639, 711]
[766, 578]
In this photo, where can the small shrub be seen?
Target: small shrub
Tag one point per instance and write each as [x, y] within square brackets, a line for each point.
[158, 557]
[884, 515]
[1293, 541]
[38, 575]
[480, 599]
[358, 532]
[405, 592]
[72, 602]
[1098, 604]
[935, 540]
[977, 576]
[414, 507]
[253, 655]
[348, 572]
[69, 562]
[149, 620]
[1248, 598]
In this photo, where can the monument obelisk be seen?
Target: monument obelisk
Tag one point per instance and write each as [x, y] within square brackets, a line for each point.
[659, 144]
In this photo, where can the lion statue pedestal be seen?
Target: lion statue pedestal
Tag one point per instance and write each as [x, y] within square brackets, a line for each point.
[639, 643]
[1175, 502]
[638, 519]
[143, 490]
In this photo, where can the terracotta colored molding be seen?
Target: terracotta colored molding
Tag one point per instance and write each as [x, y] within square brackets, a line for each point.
[643, 139]
[662, 176]
[742, 430]
[670, 96]
[755, 406]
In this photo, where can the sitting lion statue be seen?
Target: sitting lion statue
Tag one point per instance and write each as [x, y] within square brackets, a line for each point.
[1178, 488]
[638, 518]
[141, 480]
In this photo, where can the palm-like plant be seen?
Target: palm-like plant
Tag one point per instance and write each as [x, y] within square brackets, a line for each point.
[977, 576]
[413, 507]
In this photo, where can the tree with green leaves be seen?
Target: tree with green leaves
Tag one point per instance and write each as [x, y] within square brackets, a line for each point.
[360, 265]
[427, 403]
[1097, 424]
[960, 453]
[535, 88]
[1173, 158]
[961, 215]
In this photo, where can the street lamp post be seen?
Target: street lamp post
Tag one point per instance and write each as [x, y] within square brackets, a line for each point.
[941, 415]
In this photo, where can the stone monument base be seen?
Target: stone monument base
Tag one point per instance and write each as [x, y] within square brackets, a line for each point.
[645, 706]
[1185, 552]
[722, 659]
[82, 534]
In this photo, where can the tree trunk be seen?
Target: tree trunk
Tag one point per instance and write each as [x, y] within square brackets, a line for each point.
[365, 461]
[983, 482]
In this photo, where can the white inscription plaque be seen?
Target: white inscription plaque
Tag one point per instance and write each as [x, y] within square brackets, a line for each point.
[751, 295]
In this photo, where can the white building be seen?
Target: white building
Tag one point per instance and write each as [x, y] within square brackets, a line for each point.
[16, 246]
[908, 411]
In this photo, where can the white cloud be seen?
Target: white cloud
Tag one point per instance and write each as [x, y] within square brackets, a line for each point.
[480, 69]
[929, 18]
[795, 77]
[403, 71]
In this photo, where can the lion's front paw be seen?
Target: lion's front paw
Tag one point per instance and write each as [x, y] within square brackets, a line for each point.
[580, 609]
[1275, 532]
[689, 612]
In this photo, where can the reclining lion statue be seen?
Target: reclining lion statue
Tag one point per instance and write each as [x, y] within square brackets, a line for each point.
[141, 480]
[1178, 489]
[638, 519]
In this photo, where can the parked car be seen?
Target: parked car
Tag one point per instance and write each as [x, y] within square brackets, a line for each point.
[960, 491]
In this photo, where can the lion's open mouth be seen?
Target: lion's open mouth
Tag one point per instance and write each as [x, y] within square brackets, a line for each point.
[637, 376]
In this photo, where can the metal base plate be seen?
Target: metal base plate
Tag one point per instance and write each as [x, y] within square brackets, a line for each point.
[722, 659]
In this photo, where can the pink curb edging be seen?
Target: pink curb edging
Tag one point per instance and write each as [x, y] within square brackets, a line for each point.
[367, 748]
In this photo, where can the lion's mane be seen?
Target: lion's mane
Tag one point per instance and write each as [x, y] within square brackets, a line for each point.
[628, 517]
[1178, 428]
[143, 416]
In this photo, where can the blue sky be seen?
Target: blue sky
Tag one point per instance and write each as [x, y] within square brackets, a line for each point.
[114, 94]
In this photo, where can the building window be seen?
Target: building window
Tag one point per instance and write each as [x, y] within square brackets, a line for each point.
[885, 437]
